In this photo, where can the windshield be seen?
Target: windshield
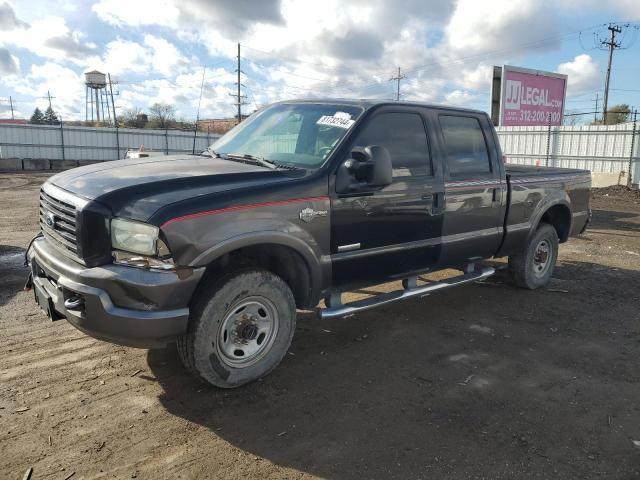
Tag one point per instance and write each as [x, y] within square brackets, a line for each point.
[301, 135]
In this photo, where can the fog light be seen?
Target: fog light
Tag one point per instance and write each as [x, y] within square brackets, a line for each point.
[142, 261]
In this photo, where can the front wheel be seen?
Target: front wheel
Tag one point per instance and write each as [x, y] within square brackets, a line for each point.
[240, 330]
[534, 267]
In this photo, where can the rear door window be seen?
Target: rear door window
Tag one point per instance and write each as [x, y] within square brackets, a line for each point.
[465, 145]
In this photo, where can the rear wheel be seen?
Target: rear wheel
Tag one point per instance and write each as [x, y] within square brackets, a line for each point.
[534, 267]
[240, 330]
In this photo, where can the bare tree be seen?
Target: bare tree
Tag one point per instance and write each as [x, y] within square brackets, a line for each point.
[133, 118]
[162, 115]
[571, 119]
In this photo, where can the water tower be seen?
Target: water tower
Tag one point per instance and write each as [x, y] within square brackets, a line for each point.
[97, 99]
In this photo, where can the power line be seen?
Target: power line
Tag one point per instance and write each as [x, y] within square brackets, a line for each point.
[624, 90]
[381, 83]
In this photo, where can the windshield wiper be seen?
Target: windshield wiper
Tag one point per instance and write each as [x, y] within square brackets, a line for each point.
[213, 153]
[253, 159]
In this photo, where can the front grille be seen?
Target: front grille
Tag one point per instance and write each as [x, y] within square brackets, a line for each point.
[58, 223]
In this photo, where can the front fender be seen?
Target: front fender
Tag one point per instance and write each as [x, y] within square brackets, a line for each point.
[319, 265]
[200, 240]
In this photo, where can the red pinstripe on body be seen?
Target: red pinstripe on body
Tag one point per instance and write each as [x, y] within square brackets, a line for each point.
[236, 208]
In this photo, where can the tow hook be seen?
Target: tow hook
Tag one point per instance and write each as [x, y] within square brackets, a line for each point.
[74, 303]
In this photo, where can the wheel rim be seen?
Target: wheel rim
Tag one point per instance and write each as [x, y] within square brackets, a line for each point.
[542, 258]
[248, 331]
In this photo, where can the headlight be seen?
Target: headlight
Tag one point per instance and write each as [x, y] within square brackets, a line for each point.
[136, 237]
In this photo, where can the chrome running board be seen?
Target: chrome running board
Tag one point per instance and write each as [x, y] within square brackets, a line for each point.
[335, 307]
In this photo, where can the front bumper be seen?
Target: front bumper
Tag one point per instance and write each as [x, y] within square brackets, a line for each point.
[124, 305]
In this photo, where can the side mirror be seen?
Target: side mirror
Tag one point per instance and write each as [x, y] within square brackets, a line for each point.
[368, 168]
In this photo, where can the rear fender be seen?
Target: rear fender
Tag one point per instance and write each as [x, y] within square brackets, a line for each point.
[559, 197]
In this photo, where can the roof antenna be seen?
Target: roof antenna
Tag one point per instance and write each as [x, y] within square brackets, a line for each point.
[195, 129]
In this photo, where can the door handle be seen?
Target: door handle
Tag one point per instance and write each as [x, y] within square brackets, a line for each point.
[437, 202]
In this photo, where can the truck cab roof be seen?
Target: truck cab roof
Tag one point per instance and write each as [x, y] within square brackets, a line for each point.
[368, 103]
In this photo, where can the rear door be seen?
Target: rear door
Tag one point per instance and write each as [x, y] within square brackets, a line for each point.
[384, 234]
[474, 191]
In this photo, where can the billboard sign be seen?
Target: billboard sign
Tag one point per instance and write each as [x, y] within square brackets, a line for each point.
[529, 97]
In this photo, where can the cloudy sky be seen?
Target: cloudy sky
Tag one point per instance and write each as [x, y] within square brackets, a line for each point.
[157, 49]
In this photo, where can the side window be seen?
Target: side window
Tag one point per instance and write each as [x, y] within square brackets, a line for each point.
[465, 146]
[403, 134]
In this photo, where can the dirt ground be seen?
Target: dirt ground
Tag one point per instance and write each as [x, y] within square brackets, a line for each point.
[483, 381]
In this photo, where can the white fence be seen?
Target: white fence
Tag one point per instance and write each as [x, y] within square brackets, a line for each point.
[601, 149]
[62, 142]
[605, 150]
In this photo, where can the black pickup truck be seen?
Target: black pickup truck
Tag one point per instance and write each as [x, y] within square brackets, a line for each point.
[299, 203]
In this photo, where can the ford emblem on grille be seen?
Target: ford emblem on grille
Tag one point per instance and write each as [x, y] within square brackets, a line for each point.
[50, 220]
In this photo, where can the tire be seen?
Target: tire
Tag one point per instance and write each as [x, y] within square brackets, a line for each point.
[240, 328]
[534, 267]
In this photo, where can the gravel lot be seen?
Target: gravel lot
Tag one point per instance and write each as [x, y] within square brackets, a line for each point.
[484, 381]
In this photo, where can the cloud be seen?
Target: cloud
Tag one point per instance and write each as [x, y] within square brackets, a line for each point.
[229, 16]
[63, 83]
[50, 38]
[477, 26]
[137, 13]
[9, 64]
[459, 97]
[232, 17]
[8, 18]
[583, 74]
[72, 45]
[356, 44]
[628, 8]
[154, 55]
[296, 48]
[164, 56]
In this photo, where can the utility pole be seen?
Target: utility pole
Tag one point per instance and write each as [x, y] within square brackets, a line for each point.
[633, 147]
[595, 112]
[612, 44]
[49, 97]
[113, 105]
[239, 99]
[398, 78]
[11, 105]
[115, 121]
[238, 95]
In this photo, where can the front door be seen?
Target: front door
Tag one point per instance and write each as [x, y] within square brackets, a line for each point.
[383, 234]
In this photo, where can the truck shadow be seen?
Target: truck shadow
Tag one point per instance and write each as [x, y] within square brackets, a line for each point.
[615, 220]
[451, 386]
[13, 273]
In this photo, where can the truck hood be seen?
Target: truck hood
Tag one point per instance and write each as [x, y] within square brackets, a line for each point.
[137, 188]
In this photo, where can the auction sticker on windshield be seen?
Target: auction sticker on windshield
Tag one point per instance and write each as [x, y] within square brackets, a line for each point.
[338, 119]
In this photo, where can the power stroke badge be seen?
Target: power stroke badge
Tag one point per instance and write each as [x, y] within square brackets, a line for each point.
[308, 214]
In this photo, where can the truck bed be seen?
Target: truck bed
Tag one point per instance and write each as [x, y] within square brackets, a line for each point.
[532, 190]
